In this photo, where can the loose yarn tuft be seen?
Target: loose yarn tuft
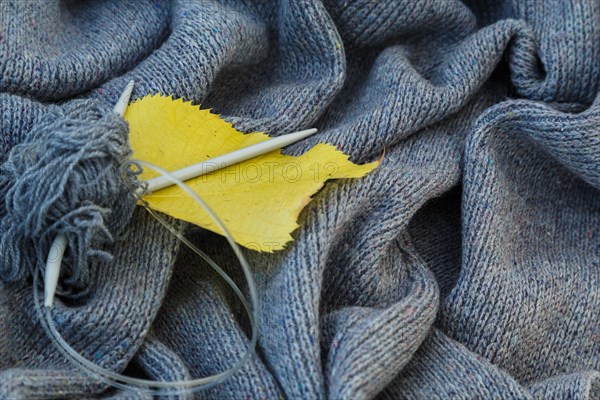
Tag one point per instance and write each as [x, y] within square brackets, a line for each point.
[64, 178]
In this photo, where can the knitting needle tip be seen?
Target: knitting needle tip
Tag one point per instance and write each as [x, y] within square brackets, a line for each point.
[121, 105]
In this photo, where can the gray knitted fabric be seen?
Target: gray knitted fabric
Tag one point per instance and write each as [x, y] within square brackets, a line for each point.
[467, 266]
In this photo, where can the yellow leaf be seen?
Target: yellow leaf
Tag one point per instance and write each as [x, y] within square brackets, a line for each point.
[259, 200]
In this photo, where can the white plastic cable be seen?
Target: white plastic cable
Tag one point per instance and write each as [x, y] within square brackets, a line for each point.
[160, 388]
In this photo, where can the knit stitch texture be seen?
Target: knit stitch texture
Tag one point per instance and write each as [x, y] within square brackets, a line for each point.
[466, 266]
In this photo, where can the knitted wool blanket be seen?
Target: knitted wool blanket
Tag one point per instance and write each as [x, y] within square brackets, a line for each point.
[467, 266]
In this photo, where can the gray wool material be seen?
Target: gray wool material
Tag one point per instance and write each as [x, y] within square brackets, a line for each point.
[466, 266]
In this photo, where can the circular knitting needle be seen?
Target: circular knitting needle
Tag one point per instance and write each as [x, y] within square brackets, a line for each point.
[54, 260]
